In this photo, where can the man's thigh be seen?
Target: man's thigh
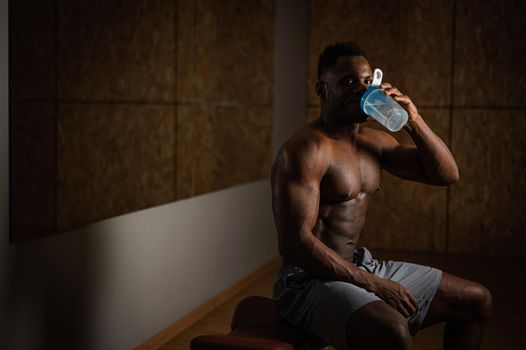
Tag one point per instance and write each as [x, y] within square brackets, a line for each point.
[422, 281]
[378, 326]
[321, 307]
[334, 303]
[456, 299]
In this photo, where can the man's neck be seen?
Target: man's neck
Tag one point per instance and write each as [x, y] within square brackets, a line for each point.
[340, 130]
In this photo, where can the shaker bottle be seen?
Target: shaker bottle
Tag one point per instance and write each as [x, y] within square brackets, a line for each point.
[381, 107]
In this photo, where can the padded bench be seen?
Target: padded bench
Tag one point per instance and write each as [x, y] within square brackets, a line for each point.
[256, 325]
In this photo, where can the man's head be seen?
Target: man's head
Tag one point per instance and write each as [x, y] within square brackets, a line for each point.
[343, 76]
[330, 55]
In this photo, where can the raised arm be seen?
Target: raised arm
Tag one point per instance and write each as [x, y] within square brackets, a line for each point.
[428, 161]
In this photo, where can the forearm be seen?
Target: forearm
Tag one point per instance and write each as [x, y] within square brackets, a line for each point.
[315, 257]
[435, 156]
[322, 262]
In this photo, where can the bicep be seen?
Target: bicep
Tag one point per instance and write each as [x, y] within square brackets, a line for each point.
[296, 191]
[296, 203]
[403, 160]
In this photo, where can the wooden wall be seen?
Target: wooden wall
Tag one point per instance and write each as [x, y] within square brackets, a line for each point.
[119, 105]
[461, 63]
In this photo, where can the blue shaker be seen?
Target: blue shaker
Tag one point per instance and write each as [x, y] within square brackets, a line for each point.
[383, 108]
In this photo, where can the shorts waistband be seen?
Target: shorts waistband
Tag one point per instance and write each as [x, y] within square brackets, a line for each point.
[361, 256]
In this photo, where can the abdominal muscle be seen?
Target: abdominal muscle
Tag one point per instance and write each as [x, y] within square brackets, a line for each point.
[339, 224]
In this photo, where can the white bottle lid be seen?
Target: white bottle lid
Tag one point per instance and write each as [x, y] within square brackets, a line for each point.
[377, 77]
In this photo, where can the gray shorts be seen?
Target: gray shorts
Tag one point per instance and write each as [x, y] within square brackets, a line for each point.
[323, 307]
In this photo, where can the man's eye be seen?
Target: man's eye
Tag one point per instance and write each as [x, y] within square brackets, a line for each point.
[349, 81]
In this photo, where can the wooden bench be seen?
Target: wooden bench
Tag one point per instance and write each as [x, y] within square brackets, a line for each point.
[256, 325]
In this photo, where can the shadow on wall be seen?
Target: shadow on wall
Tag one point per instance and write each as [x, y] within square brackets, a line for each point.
[48, 286]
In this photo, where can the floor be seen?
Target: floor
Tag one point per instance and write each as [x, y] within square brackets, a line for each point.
[504, 277]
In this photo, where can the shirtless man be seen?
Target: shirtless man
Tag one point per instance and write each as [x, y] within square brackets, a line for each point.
[322, 179]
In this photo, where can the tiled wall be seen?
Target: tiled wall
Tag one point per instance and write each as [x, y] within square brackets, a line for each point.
[135, 104]
[461, 63]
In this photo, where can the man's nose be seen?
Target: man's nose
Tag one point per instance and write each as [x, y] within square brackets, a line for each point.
[360, 88]
[363, 84]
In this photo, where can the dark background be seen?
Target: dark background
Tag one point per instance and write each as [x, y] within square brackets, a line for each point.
[133, 104]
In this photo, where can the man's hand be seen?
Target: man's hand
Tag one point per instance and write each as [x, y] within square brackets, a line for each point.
[403, 100]
[396, 295]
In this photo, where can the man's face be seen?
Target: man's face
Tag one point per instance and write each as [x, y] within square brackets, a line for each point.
[345, 84]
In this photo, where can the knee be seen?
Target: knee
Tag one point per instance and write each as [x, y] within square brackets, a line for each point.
[396, 333]
[378, 326]
[480, 301]
[388, 331]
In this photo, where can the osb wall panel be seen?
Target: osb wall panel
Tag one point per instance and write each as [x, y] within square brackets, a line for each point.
[117, 50]
[410, 41]
[187, 117]
[486, 212]
[113, 159]
[406, 215]
[33, 169]
[490, 46]
[224, 86]
[234, 51]
[123, 70]
[225, 51]
[219, 147]
[186, 42]
[32, 26]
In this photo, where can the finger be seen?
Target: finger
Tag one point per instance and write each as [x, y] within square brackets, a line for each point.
[385, 85]
[399, 306]
[410, 306]
[402, 98]
[414, 302]
[403, 310]
[411, 302]
[392, 90]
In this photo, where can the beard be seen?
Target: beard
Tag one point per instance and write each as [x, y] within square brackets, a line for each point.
[357, 113]
[345, 108]
[347, 111]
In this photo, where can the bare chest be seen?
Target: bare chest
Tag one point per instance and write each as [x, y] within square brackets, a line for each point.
[351, 172]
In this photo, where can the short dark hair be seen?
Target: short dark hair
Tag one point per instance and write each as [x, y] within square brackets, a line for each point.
[332, 53]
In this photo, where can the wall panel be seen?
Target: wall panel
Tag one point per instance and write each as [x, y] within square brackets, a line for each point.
[223, 146]
[112, 160]
[116, 50]
[487, 204]
[234, 45]
[33, 169]
[32, 24]
[490, 47]
[409, 40]
[117, 73]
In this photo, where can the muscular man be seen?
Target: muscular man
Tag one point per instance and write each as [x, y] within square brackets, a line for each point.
[321, 183]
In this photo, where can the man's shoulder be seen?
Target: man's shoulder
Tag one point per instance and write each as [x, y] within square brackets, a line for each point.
[307, 148]
[307, 140]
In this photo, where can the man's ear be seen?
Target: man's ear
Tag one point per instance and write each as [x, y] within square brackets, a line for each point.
[321, 89]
